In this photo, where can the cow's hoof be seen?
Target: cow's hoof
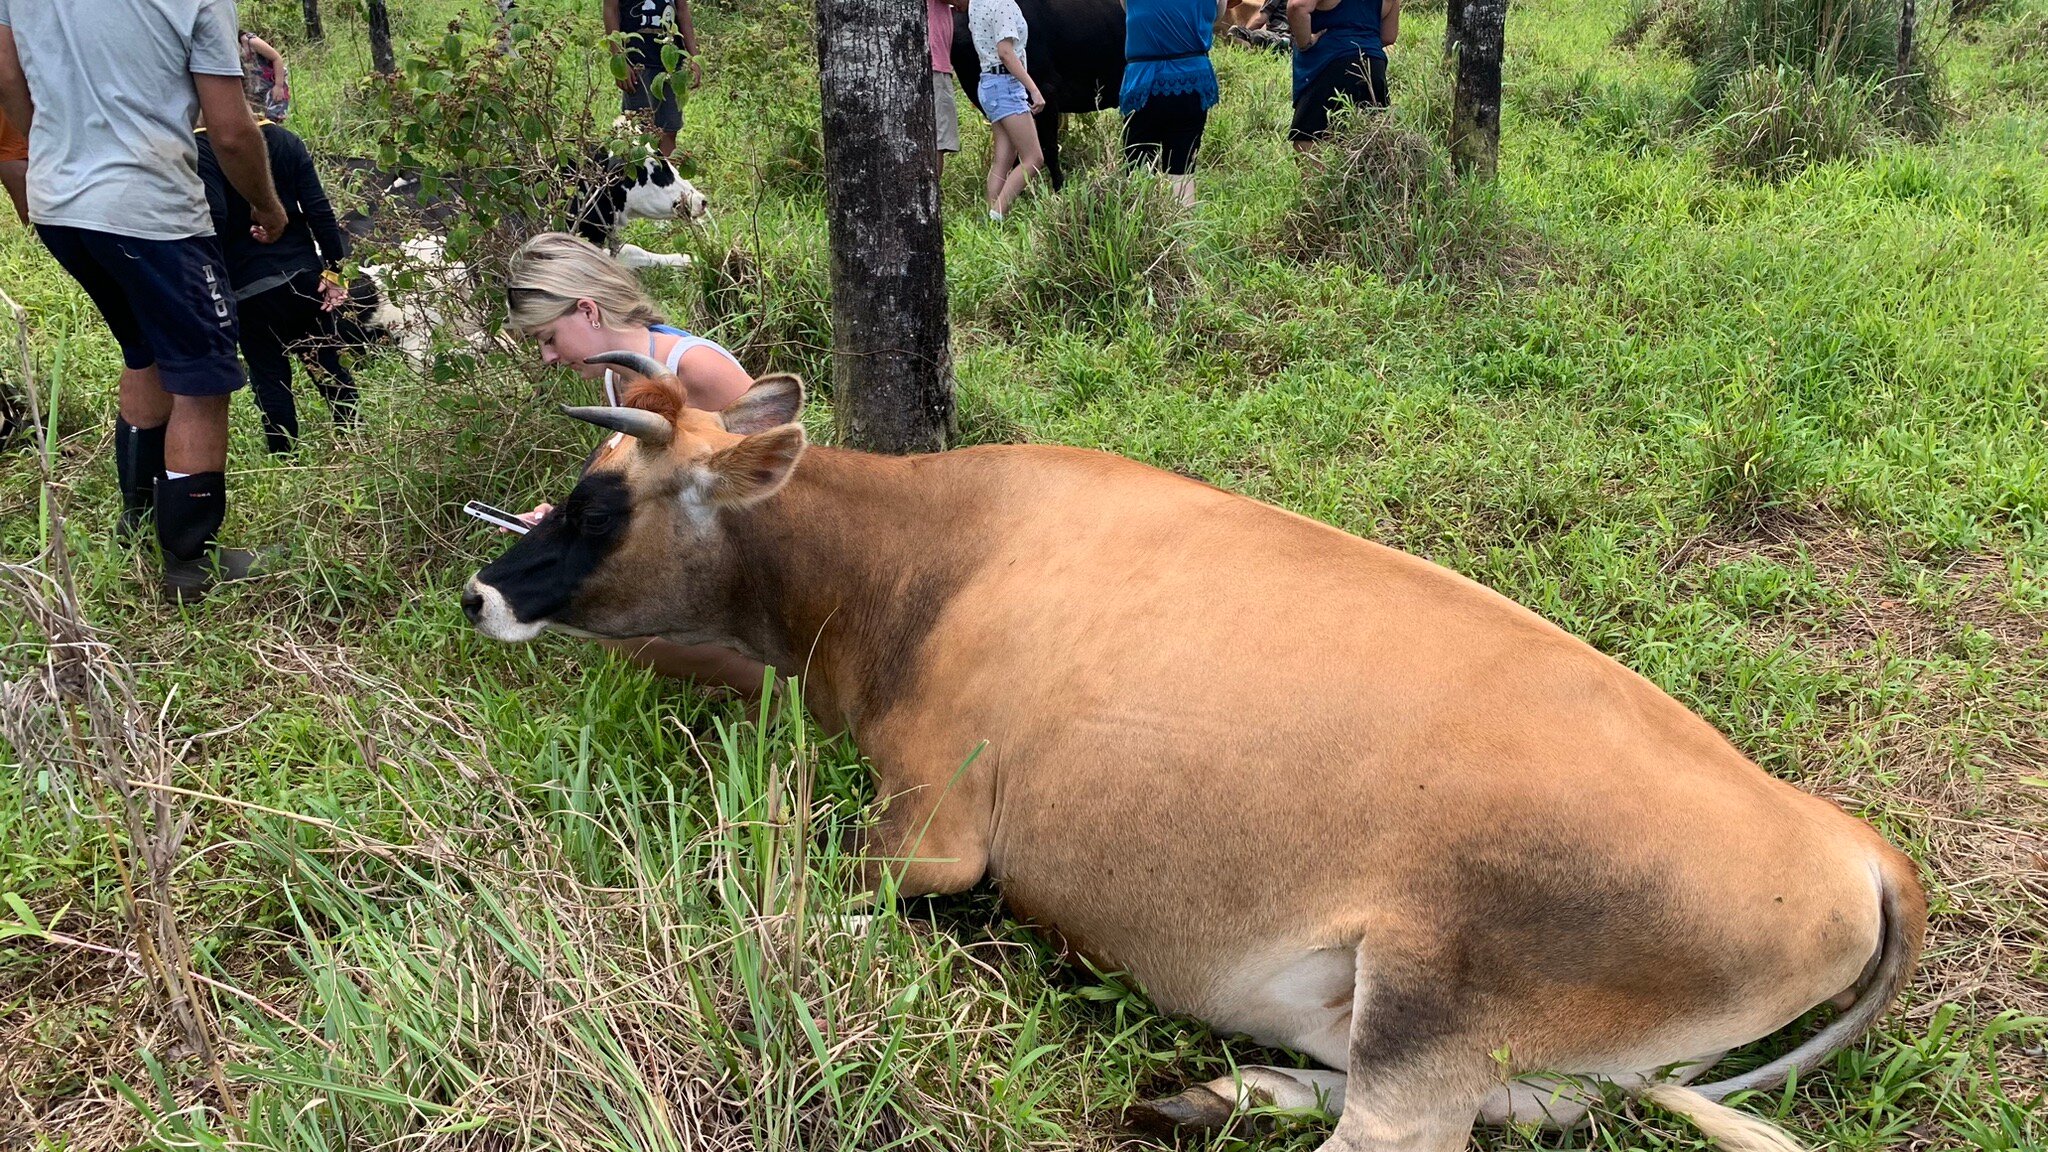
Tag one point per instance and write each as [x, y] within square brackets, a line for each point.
[1197, 1108]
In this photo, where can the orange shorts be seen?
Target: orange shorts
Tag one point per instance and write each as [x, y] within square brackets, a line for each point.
[13, 145]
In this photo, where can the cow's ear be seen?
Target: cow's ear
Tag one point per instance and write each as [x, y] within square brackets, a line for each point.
[756, 467]
[772, 402]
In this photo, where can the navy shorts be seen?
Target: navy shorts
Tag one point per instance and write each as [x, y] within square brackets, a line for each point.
[1361, 79]
[168, 302]
[668, 111]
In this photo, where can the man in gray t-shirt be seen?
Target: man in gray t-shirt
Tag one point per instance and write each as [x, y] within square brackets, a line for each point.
[107, 94]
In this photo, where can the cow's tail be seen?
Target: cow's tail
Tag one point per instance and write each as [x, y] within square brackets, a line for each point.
[1903, 908]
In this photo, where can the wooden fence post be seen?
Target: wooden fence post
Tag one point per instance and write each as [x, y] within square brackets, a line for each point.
[1475, 107]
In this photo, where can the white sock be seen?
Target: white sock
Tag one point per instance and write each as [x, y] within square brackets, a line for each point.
[995, 217]
[170, 475]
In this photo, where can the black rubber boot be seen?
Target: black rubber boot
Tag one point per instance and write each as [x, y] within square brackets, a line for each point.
[138, 461]
[189, 511]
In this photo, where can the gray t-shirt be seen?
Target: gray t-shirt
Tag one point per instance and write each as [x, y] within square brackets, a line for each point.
[111, 148]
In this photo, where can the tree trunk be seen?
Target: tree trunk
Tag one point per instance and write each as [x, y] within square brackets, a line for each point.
[380, 39]
[1454, 18]
[1475, 109]
[1908, 18]
[313, 29]
[892, 367]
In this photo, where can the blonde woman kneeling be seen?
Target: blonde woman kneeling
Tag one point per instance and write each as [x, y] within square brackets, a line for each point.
[576, 302]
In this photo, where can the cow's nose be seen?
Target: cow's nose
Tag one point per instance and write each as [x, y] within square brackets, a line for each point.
[472, 603]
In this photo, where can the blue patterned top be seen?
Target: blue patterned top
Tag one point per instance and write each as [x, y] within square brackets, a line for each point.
[1166, 51]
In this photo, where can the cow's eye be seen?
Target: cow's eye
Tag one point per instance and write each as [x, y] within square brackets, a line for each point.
[596, 521]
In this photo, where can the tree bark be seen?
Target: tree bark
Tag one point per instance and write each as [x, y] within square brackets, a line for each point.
[380, 39]
[1454, 18]
[1908, 19]
[892, 366]
[313, 29]
[1475, 108]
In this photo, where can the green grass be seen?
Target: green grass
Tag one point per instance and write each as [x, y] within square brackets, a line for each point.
[1781, 447]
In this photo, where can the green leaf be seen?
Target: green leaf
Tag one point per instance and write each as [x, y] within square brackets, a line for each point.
[20, 908]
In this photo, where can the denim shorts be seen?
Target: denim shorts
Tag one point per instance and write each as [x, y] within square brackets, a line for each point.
[1003, 96]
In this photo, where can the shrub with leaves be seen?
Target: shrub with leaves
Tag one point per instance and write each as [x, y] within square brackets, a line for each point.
[1777, 121]
[491, 131]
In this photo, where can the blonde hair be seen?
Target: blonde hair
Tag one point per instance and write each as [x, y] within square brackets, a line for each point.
[554, 270]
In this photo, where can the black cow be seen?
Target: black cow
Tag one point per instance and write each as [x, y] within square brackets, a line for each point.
[1076, 54]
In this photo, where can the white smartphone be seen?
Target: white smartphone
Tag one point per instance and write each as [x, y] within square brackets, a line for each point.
[498, 516]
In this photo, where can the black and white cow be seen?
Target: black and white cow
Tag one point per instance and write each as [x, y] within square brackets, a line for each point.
[647, 187]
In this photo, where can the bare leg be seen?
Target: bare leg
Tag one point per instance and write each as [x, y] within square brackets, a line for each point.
[1411, 1087]
[1022, 133]
[1004, 158]
[196, 439]
[666, 141]
[144, 403]
[926, 837]
[635, 257]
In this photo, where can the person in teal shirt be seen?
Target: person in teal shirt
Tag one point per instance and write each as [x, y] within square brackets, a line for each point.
[1169, 84]
[1340, 52]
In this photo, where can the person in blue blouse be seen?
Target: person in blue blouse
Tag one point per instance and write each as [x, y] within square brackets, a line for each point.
[1340, 52]
[1169, 84]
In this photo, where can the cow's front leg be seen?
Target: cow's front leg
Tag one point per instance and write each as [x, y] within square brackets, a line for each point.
[931, 835]
[636, 258]
[1048, 123]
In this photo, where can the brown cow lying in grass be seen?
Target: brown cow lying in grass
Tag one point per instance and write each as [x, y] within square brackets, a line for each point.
[1301, 786]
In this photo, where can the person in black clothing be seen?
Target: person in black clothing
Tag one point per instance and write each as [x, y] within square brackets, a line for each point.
[645, 23]
[286, 291]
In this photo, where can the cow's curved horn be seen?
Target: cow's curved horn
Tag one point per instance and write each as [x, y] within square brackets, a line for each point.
[650, 428]
[633, 362]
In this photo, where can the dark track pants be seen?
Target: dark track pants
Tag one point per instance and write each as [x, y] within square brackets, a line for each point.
[276, 325]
